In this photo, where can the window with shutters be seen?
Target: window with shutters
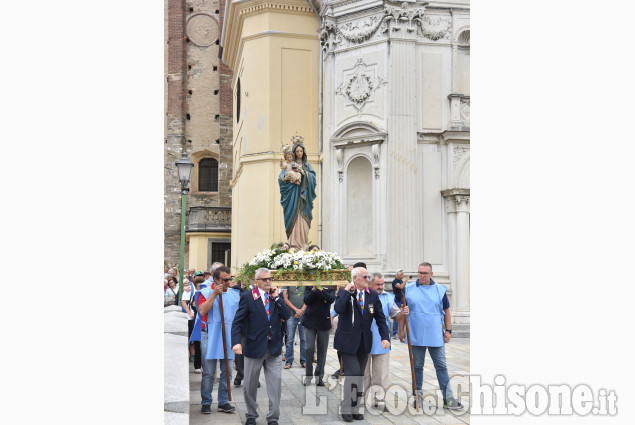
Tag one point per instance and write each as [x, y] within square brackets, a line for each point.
[208, 175]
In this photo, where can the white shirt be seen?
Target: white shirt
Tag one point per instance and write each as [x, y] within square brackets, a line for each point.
[355, 298]
[262, 296]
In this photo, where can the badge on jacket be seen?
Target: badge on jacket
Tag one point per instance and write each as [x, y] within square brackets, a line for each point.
[371, 309]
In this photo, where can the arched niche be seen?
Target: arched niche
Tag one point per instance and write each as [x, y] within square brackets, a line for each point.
[359, 211]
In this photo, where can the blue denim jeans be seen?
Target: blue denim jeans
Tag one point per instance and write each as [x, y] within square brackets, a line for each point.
[395, 324]
[207, 379]
[438, 359]
[292, 324]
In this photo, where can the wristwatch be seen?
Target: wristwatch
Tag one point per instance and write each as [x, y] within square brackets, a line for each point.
[449, 331]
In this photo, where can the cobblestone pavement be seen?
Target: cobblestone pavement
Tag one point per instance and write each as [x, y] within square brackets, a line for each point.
[294, 394]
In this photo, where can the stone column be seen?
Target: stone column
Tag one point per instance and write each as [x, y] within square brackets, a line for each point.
[403, 176]
[459, 205]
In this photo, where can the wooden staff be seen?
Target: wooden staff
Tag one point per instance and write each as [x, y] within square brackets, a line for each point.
[222, 326]
[412, 364]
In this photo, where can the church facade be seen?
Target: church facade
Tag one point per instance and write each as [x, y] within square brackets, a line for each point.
[396, 140]
[380, 93]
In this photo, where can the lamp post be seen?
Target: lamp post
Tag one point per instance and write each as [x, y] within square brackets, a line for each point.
[184, 167]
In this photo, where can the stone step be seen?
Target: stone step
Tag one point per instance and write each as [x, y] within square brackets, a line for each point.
[460, 330]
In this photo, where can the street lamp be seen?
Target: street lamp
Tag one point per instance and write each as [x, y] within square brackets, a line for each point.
[184, 167]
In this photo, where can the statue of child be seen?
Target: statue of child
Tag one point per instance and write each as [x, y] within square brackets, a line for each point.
[290, 166]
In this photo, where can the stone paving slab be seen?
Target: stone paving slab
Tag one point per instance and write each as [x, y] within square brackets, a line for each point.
[294, 393]
[176, 401]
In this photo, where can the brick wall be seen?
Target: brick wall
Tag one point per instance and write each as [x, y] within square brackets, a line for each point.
[191, 116]
[175, 127]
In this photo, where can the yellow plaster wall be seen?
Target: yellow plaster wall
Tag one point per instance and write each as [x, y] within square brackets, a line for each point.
[276, 59]
[198, 243]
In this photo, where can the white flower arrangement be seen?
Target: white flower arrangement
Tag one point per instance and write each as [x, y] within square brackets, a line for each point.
[297, 261]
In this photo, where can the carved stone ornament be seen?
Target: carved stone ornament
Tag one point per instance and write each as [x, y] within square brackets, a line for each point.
[329, 36]
[359, 84]
[202, 29]
[459, 152]
[360, 31]
[340, 164]
[436, 28]
[465, 110]
[376, 149]
[405, 18]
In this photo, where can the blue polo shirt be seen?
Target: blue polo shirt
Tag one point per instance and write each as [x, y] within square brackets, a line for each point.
[446, 302]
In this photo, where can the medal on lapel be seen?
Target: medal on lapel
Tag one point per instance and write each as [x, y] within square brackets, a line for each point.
[371, 309]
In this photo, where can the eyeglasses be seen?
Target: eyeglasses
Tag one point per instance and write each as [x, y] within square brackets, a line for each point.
[365, 277]
[424, 273]
[265, 279]
[229, 279]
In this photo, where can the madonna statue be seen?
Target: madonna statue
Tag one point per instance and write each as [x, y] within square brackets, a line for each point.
[297, 199]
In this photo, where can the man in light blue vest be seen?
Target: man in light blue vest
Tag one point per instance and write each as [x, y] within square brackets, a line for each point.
[430, 326]
[212, 338]
[377, 367]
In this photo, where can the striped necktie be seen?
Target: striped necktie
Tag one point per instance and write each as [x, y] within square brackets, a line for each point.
[361, 301]
[267, 306]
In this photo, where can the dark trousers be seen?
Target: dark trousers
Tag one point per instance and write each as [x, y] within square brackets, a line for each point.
[322, 337]
[197, 345]
[354, 366]
[239, 363]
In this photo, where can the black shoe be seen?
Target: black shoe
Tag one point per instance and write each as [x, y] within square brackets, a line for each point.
[336, 374]
[258, 384]
[237, 382]
[358, 417]
[250, 421]
[307, 380]
[226, 407]
[206, 410]
[347, 418]
[272, 423]
[320, 382]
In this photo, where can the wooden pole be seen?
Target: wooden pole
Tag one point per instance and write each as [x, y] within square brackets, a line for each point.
[412, 364]
[222, 326]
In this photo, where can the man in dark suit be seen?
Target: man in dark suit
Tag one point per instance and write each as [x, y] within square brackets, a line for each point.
[317, 325]
[258, 319]
[357, 306]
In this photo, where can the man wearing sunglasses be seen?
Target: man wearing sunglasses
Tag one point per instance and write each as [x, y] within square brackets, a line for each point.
[212, 338]
[357, 306]
[258, 318]
[430, 326]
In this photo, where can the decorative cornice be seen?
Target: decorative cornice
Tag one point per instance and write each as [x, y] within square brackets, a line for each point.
[450, 193]
[444, 137]
[404, 21]
[262, 5]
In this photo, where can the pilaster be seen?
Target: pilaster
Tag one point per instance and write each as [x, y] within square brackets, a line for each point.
[458, 202]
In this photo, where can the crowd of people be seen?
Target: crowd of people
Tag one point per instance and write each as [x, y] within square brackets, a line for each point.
[258, 323]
